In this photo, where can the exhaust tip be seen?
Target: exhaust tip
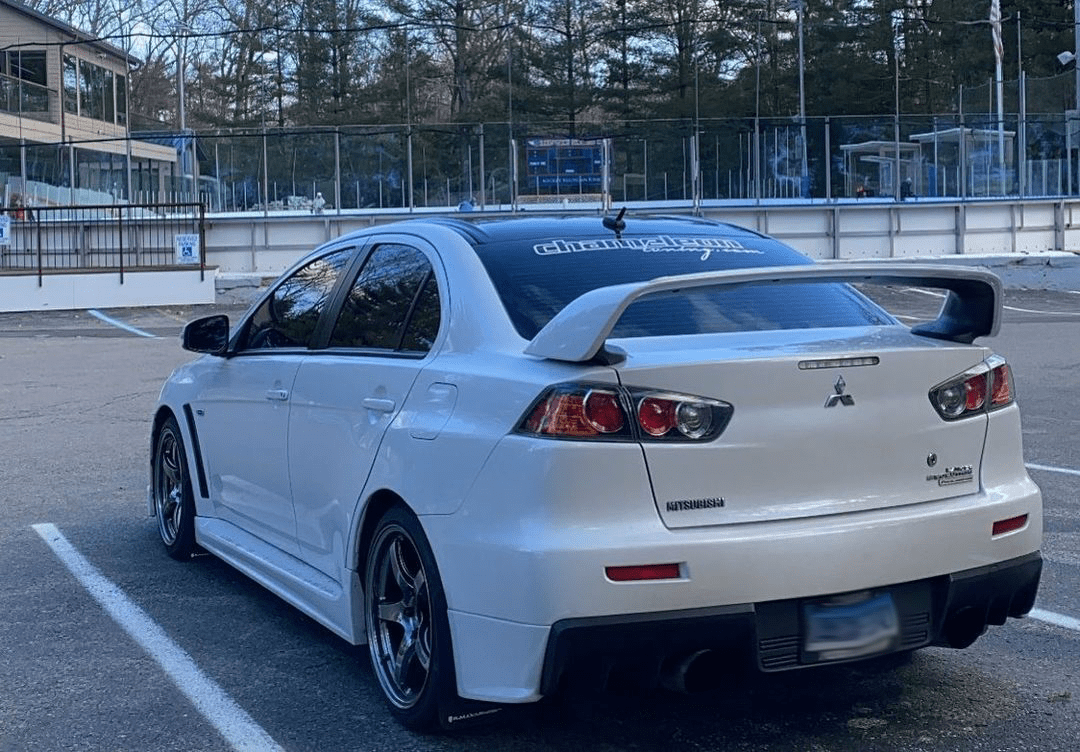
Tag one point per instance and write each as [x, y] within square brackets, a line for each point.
[696, 672]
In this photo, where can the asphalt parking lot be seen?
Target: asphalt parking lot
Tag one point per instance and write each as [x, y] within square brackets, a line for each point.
[76, 394]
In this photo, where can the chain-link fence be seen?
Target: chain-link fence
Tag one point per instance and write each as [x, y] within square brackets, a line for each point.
[972, 153]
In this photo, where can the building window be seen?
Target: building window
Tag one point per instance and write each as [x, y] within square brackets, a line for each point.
[109, 110]
[71, 85]
[94, 92]
[28, 66]
[121, 100]
[91, 90]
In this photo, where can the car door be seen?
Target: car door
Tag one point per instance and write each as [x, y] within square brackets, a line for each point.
[346, 395]
[242, 413]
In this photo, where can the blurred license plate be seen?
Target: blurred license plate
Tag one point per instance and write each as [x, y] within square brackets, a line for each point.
[837, 630]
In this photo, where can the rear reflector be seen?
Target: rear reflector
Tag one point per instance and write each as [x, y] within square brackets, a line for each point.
[643, 572]
[1007, 526]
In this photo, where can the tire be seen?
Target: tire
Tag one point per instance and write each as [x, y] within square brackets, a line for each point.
[174, 502]
[407, 627]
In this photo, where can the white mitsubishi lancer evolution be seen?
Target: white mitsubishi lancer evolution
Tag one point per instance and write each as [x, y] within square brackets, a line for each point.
[503, 453]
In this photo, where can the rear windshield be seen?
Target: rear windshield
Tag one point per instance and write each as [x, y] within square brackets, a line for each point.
[537, 279]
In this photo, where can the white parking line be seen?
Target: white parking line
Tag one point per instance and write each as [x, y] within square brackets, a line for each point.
[936, 294]
[230, 720]
[1044, 313]
[1058, 620]
[1051, 469]
[120, 324]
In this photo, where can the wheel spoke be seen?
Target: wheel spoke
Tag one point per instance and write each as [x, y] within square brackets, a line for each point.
[400, 572]
[423, 644]
[403, 659]
[392, 612]
[177, 512]
[170, 460]
[419, 583]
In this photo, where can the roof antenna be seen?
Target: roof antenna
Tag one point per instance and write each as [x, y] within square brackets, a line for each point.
[617, 225]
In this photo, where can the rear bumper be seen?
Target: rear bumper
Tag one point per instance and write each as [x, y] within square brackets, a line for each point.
[504, 661]
[951, 611]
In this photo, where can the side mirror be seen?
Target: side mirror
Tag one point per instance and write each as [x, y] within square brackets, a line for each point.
[209, 334]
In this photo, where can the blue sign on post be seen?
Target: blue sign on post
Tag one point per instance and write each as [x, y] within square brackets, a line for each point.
[5, 229]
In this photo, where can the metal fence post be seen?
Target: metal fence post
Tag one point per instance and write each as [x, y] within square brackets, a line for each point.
[40, 271]
[121, 250]
[120, 240]
[202, 242]
[337, 169]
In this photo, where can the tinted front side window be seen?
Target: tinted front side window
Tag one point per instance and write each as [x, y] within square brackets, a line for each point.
[393, 305]
[288, 317]
[536, 280]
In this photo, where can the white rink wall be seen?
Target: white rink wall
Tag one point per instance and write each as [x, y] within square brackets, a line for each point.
[1031, 243]
[258, 243]
[81, 290]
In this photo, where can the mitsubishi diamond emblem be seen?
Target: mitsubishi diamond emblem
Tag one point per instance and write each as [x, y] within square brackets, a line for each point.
[840, 398]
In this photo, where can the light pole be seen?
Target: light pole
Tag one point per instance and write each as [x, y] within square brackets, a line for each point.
[804, 177]
[1065, 58]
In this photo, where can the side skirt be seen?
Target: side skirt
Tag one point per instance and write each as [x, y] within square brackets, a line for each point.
[337, 608]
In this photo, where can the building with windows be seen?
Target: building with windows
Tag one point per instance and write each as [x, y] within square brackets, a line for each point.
[64, 118]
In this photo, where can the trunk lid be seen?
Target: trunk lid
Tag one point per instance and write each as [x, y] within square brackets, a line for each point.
[814, 432]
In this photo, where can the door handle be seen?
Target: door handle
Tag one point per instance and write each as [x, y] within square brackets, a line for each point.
[382, 405]
[277, 394]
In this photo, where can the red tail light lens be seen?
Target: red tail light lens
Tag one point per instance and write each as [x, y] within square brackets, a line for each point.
[988, 386]
[976, 393]
[1001, 386]
[603, 411]
[656, 416]
[576, 412]
[592, 411]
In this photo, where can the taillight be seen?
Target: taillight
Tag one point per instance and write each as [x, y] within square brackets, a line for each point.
[656, 416]
[592, 411]
[577, 412]
[986, 387]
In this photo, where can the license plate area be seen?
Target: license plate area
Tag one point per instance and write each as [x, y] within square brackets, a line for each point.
[782, 633]
[850, 626]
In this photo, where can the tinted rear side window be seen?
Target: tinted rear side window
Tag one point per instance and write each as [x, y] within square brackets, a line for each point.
[537, 279]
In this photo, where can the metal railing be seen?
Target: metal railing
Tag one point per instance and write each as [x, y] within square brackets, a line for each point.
[107, 238]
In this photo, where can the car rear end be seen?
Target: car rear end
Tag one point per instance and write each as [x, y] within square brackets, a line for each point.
[742, 485]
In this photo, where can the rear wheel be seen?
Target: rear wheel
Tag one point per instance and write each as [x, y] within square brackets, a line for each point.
[408, 632]
[171, 489]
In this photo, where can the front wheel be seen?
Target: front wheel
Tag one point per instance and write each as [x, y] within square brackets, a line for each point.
[408, 633]
[173, 499]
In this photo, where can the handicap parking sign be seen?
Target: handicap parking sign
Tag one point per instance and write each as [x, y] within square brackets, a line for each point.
[5, 229]
[187, 249]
